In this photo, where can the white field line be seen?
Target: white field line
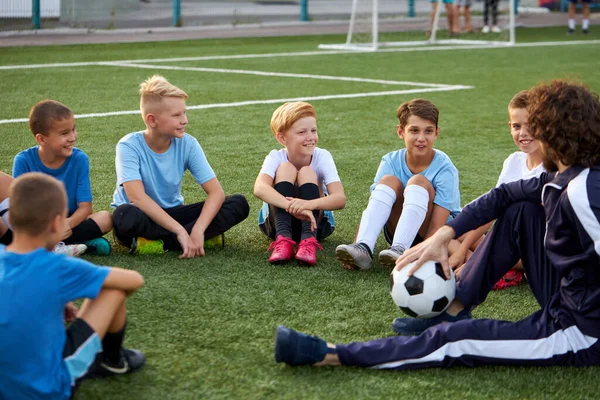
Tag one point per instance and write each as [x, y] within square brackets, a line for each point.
[302, 53]
[271, 101]
[277, 74]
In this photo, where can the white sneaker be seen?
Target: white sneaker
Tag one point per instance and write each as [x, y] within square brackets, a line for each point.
[496, 29]
[485, 29]
[74, 250]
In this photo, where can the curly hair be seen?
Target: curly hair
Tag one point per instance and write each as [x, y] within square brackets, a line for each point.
[565, 117]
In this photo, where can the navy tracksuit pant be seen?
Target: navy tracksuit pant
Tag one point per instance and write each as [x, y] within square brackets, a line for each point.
[536, 340]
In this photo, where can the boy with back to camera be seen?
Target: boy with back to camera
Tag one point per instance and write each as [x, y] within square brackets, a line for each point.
[415, 191]
[523, 164]
[38, 357]
[150, 216]
[299, 185]
[560, 257]
[53, 125]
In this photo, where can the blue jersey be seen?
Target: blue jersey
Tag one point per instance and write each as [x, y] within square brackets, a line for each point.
[34, 289]
[162, 173]
[442, 174]
[74, 174]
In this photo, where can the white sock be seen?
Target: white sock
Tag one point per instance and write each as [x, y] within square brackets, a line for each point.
[571, 24]
[375, 215]
[585, 24]
[4, 212]
[414, 211]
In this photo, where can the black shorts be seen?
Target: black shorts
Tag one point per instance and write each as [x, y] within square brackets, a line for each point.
[80, 350]
[324, 227]
[390, 238]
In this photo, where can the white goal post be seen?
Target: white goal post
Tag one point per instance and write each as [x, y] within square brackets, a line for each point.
[365, 29]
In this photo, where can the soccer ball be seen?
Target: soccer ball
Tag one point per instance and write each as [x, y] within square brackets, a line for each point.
[425, 294]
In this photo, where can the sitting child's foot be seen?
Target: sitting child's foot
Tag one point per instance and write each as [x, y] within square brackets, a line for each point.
[415, 326]
[74, 250]
[354, 256]
[296, 348]
[215, 242]
[143, 246]
[283, 250]
[307, 251]
[512, 278]
[99, 246]
[131, 360]
[389, 256]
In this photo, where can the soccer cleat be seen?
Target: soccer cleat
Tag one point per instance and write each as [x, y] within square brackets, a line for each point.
[99, 246]
[74, 250]
[215, 242]
[356, 255]
[307, 251]
[283, 250]
[131, 360]
[143, 246]
[296, 348]
[389, 256]
[485, 29]
[416, 326]
[510, 279]
[496, 29]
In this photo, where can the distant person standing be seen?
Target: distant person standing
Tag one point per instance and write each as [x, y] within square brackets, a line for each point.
[493, 6]
[585, 23]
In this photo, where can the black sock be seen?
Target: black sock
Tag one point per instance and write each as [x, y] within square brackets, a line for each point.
[309, 191]
[111, 345]
[283, 219]
[7, 237]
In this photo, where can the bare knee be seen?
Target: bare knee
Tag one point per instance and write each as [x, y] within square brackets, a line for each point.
[5, 181]
[286, 172]
[392, 182]
[307, 175]
[420, 180]
[104, 221]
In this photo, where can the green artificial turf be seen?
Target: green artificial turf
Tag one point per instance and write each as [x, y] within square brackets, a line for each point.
[207, 324]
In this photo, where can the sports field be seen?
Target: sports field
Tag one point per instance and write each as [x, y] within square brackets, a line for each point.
[206, 325]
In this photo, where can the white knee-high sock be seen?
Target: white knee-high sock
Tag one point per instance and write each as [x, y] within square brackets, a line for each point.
[376, 215]
[414, 211]
[4, 212]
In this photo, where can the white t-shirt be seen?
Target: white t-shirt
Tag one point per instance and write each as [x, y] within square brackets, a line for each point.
[515, 168]
[322, 163]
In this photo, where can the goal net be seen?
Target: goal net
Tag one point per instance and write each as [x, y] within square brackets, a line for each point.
[390, 23]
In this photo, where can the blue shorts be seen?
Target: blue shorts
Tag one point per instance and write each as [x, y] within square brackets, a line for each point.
[80, 350]
[325, 225]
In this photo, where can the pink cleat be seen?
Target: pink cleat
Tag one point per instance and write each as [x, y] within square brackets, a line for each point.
[307, 251]
[283, 250]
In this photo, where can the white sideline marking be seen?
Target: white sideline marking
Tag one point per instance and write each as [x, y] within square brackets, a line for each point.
[301, 53]
[278, 74]
[271, 101]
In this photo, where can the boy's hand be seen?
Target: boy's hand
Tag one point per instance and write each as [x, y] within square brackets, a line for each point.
[188, 246]
[68, 231]
[198, 238]
[307, 215]
[434, 248]
[70, 312]
[458, 258]
[296, 206]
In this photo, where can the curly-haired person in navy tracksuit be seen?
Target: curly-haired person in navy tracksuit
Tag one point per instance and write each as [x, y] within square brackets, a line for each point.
[558, 242]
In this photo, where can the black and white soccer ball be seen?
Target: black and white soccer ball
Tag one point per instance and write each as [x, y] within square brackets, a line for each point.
[425, 294]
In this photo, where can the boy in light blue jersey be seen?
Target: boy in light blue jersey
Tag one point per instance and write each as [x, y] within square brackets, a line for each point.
[39, 359]
[415, 191]
[149, 215]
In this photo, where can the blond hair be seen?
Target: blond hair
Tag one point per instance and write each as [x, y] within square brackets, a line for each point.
[288, 113]
[45, 113]
[154, 89]
[35, 200]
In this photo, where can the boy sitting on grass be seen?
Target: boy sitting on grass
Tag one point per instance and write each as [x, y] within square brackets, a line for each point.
[38, 357]
[53, 125]
[415, 191]
[299, 186]
[149, 215]
[523, 164]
